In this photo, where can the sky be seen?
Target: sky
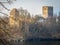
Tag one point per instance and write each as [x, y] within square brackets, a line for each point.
[35, 6]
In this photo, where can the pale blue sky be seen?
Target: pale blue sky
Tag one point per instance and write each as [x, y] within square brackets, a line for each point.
[35, 6]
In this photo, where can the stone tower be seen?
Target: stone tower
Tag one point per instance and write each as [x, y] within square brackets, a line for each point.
[47, 11]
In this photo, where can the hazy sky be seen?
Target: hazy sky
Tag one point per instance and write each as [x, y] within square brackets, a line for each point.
[35, 6]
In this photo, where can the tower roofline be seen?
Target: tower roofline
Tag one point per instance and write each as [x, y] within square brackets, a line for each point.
[47, 6]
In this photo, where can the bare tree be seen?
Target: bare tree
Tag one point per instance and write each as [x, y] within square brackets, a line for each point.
[8, 2]
[4, 42]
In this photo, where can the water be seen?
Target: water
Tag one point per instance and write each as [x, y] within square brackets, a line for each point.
[38, 43]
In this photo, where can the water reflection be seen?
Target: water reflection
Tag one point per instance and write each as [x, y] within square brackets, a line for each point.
[37, 43]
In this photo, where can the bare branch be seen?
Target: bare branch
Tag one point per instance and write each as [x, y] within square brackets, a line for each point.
[10, 1]
[4, 6]
[5, 23]
[4, 13]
